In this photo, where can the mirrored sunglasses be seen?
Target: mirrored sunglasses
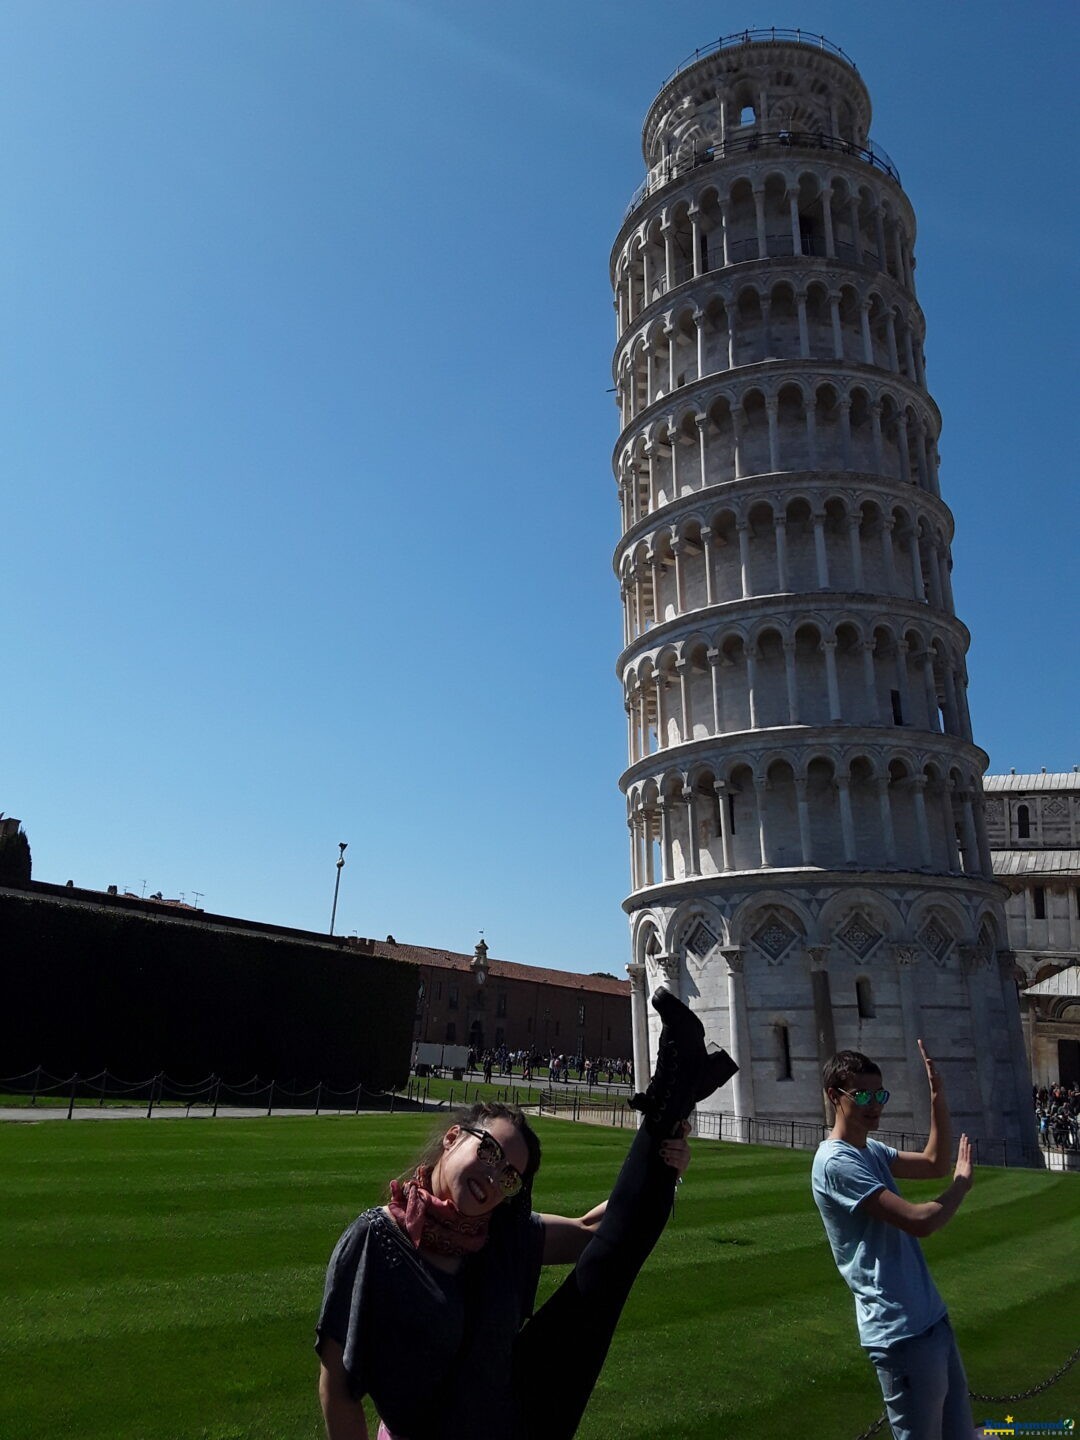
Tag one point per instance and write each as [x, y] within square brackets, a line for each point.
[490, 1152]
[863, 1097]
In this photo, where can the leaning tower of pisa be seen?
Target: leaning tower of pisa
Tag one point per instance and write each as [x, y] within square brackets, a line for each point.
[809, 863]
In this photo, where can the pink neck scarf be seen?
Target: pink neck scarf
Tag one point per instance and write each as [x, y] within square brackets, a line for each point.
[434, 1224]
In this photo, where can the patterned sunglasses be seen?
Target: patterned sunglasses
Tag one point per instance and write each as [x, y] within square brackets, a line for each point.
[490, 1152]
[863, 1097]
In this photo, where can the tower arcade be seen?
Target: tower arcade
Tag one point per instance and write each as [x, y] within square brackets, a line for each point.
[808, 853]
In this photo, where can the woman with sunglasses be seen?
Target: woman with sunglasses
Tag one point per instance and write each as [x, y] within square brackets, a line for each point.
[428, 1299]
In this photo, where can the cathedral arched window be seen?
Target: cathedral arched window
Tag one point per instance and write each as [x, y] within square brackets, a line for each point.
[1023, 822]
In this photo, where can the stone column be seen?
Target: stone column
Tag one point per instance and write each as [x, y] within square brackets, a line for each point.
[847, 820]
[673, 445]
[864, 326]
[707, 557]
[870, 682]
[669, 257]
[902, 680]
[737, 436]
[811, 432]
[760, 788]
[647, 829]
[844, 406]
[751, 684]
[856, 229]
[806, 843]
[658, 692]
[631, 825]
[902, 444]
[725, 823]
[667, 859]
[926, 659]
[907, 957]
[739, 1034]
[828, 649]
[695, 240]
[682, 669]
[817, 958]
[879, 231]
[713, 657]
[917, 591]
[890, 341]
[725, 245]
[879, 448]
[1021, 1068]
[796, 232]
[678, 549]
[887, 829]
[804, 328]
[792, 682]
[639, 1025]
[887, 527]
[699, 327]
[837, 332]
[780, 533]
[743, 530]
[702, 423]
[771, 409]
[952, 849]
[918, 785]
[693, 848]
[820, 553]
[971, 858]
[759, 213]
[826, 215]
[855, 542]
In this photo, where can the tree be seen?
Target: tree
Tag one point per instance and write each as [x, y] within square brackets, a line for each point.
[14, 856]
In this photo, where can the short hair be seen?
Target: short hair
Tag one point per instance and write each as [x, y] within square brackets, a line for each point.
[837, 1072]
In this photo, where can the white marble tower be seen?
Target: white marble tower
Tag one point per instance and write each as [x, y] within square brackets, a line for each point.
[809, 862]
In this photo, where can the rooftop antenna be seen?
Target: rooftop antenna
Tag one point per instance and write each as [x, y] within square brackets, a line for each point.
[198, 896]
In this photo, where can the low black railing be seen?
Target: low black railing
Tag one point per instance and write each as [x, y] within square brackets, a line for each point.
[746, 143]
[771, 33]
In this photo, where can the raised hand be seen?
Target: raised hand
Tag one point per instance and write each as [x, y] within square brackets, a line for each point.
[964, 1170]
[932, 1075]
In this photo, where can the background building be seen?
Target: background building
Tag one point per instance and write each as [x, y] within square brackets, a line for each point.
[471, 1000]
[1033, 822]
[809, 860]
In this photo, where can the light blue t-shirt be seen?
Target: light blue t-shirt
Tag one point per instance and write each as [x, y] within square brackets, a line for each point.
[883, 1265]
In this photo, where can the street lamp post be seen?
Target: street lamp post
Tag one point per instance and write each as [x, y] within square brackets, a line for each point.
[343, 845]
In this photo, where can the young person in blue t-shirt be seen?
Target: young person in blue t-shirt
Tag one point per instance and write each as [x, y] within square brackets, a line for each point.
[874, 1234]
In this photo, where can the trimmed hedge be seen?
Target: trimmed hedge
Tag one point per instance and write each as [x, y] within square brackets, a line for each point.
[86, 989]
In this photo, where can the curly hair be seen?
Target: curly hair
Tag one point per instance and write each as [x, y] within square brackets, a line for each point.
[837, 1072]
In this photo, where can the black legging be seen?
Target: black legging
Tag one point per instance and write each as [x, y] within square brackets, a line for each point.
[560, 1352]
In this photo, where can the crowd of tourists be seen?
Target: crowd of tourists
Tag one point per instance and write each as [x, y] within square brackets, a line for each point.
[535, 1065]
[1057, 1114]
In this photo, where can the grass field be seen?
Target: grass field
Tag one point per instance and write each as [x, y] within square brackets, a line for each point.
[160, 1282]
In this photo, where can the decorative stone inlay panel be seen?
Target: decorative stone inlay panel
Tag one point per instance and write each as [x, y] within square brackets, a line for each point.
[936, 939]
[700, 940]
[774, 937]
[995, 810]
[859, 935]
[1055, 808]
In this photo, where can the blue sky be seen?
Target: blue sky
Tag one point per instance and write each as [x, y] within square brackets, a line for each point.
[306, 442]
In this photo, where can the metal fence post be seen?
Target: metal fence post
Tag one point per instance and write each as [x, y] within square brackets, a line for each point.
[74, 1087]
[150, 1103]
[318, 1098]
[104, 1082]
[270, 1102]
[37, 1082]
[217, 1093]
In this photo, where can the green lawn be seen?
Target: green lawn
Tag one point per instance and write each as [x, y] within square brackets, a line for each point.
[160, 1282]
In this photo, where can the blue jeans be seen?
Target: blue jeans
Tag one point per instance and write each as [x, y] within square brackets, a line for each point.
[925, 1389]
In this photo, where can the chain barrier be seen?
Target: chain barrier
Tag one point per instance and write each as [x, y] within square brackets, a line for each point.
[1034, 1390]
[996, 1399]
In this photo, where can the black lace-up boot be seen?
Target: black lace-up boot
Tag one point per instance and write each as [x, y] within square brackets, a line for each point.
[685, 1071]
